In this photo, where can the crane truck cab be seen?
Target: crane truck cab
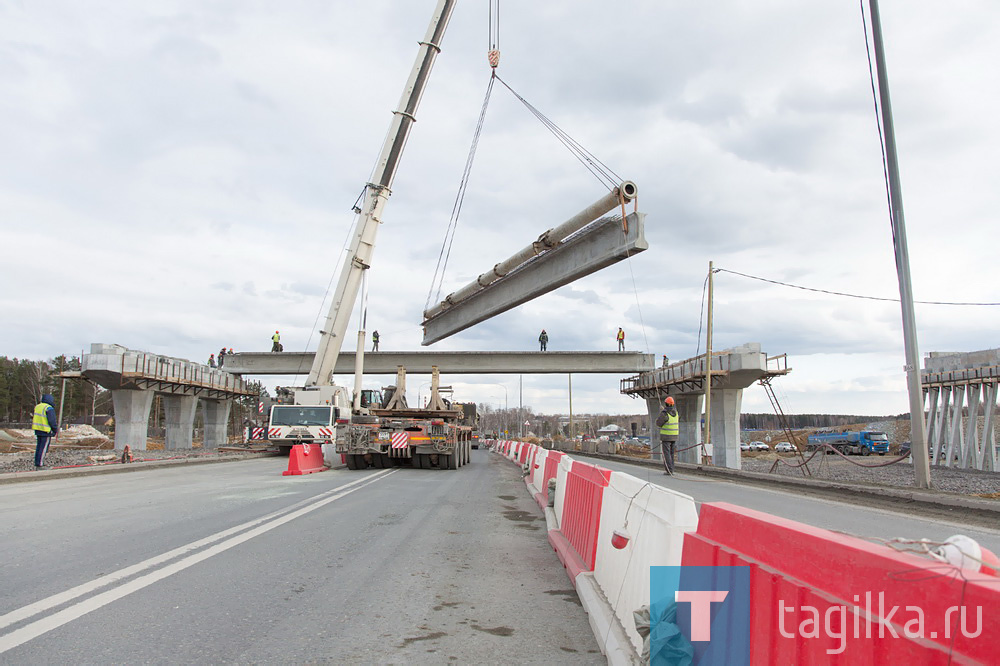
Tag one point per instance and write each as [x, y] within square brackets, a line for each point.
[307, 415]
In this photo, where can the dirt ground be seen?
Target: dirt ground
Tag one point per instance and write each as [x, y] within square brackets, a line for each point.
[80, 445]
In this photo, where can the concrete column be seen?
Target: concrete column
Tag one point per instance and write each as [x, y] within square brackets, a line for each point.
[216, 413]
[131, 418]
[178, 413]
[689, 408]
[726, 404]
[653, 407]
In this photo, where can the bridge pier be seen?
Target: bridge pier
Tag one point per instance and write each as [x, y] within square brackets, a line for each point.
[178, 415]
[725, 431]
[131, 417]
[216, 413]
[689, 408]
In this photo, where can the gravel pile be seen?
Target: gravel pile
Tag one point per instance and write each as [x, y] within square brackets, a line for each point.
[968, 482]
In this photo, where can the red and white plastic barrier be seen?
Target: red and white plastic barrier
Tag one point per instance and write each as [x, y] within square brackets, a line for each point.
[610, 528]
[803, 576]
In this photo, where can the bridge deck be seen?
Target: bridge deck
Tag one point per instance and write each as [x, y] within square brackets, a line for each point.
[454, 363]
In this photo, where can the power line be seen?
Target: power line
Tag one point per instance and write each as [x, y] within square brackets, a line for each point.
[840, 293]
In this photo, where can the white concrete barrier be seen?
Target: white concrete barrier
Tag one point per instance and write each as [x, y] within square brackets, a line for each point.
[657, 519]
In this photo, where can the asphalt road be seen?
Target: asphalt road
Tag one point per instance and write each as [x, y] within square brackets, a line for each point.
[233, 563]
[871, 523]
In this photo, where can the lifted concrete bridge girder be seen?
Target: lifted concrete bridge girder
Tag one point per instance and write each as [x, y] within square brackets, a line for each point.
[452, 363]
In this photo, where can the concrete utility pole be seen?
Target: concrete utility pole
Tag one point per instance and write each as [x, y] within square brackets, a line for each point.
[570, 375]
[918, 428]
[708, 364]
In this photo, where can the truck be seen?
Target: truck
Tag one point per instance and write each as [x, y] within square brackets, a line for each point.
[392, 434]
[865, 442]
[306, 415]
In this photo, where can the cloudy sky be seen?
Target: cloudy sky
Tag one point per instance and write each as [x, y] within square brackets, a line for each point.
[178, 176]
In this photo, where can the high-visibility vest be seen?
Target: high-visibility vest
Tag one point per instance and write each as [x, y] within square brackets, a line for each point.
[275, 337]
[40, 421]
[621, 335]
[672, 426]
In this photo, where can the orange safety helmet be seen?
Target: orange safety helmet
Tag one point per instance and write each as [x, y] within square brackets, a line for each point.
[669, 400]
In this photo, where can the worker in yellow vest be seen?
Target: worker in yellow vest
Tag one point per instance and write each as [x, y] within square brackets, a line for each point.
[45, 423]
[621, 339]
[276, 342]
[669, 424]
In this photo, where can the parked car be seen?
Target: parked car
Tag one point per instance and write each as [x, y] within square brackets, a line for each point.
[904, 449]
[745, 447]
[759, 446]
[784, 447]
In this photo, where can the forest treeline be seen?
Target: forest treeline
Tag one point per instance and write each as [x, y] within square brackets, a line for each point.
[23, 382]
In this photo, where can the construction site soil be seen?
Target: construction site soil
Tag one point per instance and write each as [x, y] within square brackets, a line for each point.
[84, 446]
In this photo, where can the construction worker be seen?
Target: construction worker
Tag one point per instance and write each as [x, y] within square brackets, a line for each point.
[543, 341]
[374, 341]
[46, 425]
[211, 360]
[222, 356]
[276, 342]
[669, 424]
[666, 361]
[621, 339]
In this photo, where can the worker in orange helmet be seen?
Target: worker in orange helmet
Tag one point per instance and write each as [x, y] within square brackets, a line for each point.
[669, 424]
[276, 342]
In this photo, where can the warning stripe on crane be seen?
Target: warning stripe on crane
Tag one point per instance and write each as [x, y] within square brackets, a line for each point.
[400, 440]
[274, 432]
[326, 432]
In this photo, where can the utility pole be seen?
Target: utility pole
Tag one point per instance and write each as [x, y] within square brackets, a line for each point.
[571, 435]
[918, 427]
[708, 364]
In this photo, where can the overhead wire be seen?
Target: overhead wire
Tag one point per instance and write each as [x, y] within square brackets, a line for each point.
[847, 295]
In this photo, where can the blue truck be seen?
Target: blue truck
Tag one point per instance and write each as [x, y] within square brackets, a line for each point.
[862, 443]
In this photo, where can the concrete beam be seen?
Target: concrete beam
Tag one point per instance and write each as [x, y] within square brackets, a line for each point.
[452, 363]
[597, 246]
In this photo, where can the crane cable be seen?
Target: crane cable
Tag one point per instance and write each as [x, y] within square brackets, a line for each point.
[604, 174]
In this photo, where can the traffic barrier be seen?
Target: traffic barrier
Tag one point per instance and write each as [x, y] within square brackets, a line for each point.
[803, 575]
[656, 520]
[578, 511]
[524, 453]
[305, 459]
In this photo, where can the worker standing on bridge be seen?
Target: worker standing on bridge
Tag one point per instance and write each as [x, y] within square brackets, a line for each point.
[222, 356]
[621, 339]
[46, 425]
[669, 424]
[211, 360]
[276, 342]
[375, 341]
[543, 341]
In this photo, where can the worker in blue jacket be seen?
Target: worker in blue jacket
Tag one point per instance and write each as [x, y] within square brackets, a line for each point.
[45, 423]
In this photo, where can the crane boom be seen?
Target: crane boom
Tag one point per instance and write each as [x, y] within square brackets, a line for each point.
[376, 194]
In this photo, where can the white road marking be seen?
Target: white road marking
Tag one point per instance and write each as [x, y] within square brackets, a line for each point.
[259, 526]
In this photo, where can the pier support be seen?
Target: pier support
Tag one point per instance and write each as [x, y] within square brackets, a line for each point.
[178, 413]
[131, 417]
[216, 414]
[725, 412]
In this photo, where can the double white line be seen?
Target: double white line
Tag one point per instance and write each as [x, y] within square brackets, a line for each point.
[226, 540]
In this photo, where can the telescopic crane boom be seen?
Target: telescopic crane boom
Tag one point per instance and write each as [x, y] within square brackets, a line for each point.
[376, 194]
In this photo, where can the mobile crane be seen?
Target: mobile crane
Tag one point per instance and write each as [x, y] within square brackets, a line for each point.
[360, 432]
